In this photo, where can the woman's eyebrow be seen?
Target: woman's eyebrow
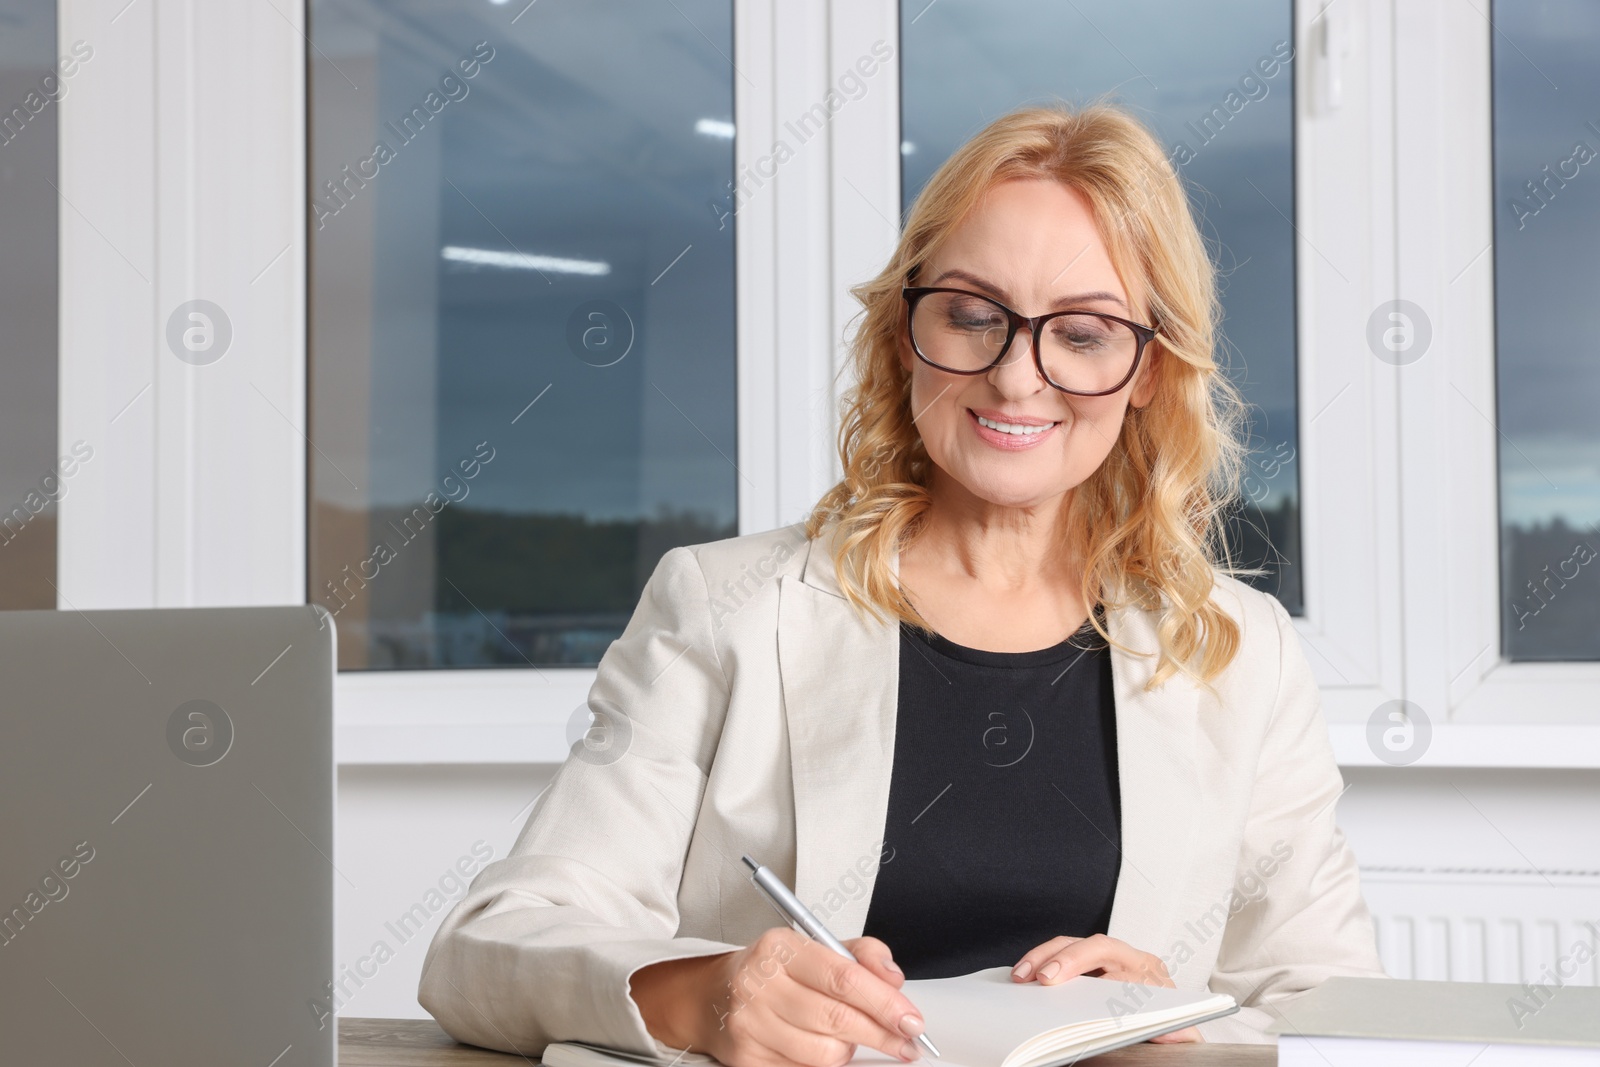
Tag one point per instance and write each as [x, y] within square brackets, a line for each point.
[1001, 295]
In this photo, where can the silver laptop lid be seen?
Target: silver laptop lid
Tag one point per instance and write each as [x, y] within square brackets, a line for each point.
[166, 858]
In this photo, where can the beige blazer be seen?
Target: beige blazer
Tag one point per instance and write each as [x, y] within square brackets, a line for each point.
[755, 713]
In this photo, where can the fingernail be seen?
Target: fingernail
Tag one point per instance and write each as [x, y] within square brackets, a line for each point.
[1050, 970]
[910, 1025]
[909, 1053]
[892, 966]
[1022, 970]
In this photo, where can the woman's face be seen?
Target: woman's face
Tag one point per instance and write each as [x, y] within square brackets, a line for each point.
[1032, 245]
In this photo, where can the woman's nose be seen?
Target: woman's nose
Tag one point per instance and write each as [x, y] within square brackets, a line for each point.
[1017, 373]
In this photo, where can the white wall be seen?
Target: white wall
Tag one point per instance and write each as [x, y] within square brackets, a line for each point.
[1480, 874]
[401, 829]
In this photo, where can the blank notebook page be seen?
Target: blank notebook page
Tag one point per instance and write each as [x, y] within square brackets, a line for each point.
[978, 1019]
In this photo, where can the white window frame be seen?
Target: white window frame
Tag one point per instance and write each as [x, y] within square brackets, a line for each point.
[790, 315]
[182, 177]
[1348, 491]
[1446, 193]
[182, 171]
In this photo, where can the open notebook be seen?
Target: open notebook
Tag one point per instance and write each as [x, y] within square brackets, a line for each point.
[984, 1019]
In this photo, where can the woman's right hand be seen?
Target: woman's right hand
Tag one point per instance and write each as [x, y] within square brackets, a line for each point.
[782, 1001]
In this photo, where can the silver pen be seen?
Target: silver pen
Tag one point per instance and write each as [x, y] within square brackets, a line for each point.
[800, 917]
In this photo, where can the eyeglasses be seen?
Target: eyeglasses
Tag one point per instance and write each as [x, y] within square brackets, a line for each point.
[1086, 353]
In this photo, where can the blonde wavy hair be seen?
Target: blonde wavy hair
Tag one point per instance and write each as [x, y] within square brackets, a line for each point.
[1149, 526]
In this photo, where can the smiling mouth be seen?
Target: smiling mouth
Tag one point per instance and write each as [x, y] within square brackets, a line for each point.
[1013, 428]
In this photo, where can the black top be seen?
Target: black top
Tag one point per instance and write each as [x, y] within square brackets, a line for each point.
[1004, 819]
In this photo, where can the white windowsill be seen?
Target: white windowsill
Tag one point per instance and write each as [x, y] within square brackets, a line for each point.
[1504, 745]
[523, 716]
[469, 716]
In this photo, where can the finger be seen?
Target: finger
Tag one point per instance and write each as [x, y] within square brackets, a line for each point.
[1188, 1033]
[875, 956]
[1117, 959]
[844, 980]
[771, 1042]
[795, 1045]
[820, 1015]
[1035, 958]
[754, 1032]
[1136, 969]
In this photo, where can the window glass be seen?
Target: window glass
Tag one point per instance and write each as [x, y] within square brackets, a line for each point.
[1547, 272]
[1215, 83]
[34, 474]
[522, 319]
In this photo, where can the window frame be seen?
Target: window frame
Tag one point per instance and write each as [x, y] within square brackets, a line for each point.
[195, 495]
[1448, 409]
[1348, 398]
[198, 496]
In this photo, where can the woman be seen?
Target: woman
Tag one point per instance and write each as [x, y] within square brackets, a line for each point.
[999, 700]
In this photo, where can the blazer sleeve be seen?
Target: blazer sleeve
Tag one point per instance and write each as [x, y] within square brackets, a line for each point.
[542, 947]
[1301, 917]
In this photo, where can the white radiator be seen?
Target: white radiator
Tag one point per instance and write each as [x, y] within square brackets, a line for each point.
[1487, 925]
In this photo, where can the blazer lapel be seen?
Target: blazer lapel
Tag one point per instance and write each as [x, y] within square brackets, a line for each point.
[840, 679]
[1158, 781]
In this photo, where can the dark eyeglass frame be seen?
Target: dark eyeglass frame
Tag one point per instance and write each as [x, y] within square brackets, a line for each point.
[913, 295]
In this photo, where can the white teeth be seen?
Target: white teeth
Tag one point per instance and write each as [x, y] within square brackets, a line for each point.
[1007, 427]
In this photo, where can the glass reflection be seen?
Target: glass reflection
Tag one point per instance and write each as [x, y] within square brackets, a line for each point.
[522, 324]
[1547, 271]
[34, 79]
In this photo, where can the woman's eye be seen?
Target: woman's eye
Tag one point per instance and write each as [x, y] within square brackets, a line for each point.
[973, 318]
[1080, 337]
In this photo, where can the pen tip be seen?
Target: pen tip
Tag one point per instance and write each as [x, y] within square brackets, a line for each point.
[752, 864]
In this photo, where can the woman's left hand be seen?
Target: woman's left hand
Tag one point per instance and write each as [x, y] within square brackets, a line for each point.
[1061, 958]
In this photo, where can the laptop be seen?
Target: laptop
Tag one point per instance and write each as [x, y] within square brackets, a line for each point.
[167, 860]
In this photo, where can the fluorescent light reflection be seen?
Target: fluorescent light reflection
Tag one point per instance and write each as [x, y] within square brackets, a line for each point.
[715, 128]
[490, 257]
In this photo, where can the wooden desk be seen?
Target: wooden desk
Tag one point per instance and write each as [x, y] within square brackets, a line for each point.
[420, 1043]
